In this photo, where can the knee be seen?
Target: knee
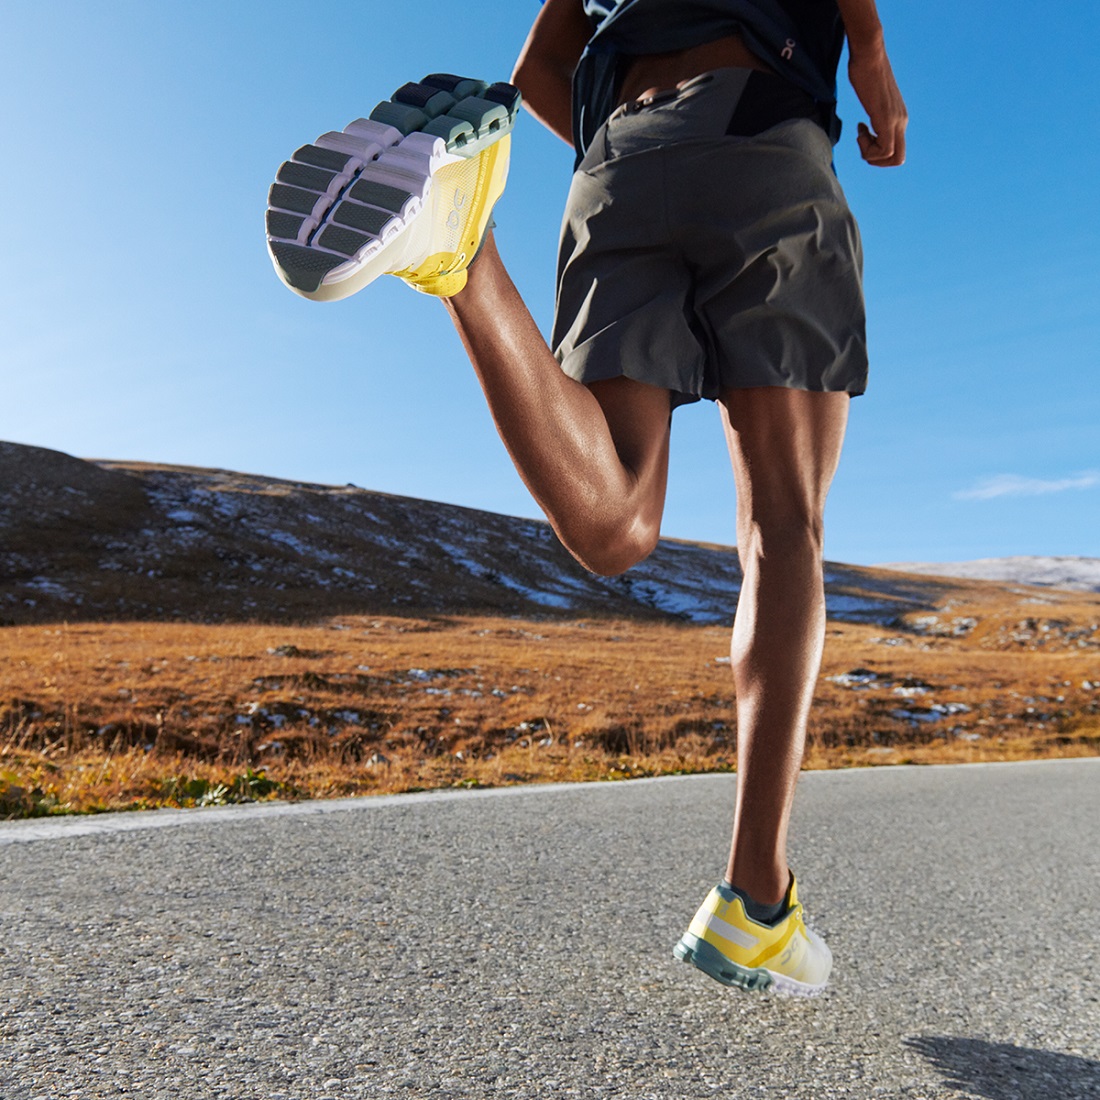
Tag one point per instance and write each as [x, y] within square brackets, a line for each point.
[611, 548]
[797, 533]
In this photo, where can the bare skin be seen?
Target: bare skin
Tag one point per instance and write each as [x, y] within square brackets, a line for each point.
[596, 457]
[784, 446]
[655, 72]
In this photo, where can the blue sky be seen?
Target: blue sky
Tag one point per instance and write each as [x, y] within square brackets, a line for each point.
[141, 318]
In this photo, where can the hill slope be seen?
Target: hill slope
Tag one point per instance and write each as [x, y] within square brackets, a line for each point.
[104, 540]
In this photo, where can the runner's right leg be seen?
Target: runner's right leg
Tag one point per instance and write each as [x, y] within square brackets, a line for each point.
[595, 458]
[409, 192]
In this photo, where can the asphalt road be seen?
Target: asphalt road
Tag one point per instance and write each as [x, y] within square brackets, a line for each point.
[518, 944]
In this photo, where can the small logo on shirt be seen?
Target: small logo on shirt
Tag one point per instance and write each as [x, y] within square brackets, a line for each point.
[788, 50]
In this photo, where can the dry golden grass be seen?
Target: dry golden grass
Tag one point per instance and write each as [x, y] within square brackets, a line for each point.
[135, 715]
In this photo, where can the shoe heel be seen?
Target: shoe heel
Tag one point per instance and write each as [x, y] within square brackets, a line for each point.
[713, 963]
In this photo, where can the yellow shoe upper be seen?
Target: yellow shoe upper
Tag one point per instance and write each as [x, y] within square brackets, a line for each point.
[788, 947]
[463, 196]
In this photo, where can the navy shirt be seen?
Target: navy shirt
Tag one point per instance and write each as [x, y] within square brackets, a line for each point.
[800, 39]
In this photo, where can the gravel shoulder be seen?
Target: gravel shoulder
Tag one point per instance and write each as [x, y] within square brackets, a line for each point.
[518, 943]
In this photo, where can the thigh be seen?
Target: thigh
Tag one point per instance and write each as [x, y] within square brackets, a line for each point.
[784, 446]
[639, 418]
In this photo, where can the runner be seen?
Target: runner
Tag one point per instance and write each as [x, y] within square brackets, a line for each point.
[707, 252]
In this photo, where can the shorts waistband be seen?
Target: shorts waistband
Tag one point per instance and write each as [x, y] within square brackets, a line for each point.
[757, 100]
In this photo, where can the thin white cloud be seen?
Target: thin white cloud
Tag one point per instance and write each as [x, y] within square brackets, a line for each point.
[1013, 485]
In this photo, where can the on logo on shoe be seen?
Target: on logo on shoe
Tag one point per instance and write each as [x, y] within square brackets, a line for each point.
[454, 218]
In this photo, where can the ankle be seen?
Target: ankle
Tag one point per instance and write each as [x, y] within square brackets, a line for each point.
[486, 256]
[761, 912]
[765, 886]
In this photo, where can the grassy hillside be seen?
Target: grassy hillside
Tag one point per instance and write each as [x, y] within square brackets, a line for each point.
[132, 715]
[173, 636]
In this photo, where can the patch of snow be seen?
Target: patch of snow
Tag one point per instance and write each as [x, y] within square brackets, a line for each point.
[1081, 574]
[858, 677]
[226, 504]
[563, 580]
[859, 608]
[958, 627]
[387, 541]
[459, 557]
[48, 588]
[934, 713]
[687, 605]
[349, 717]
[536, 595]
[284, 538]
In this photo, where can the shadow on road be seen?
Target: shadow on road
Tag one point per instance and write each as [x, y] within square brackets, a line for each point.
[1001, 1071]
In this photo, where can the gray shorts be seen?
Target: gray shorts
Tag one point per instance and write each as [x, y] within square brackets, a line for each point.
[702, 262]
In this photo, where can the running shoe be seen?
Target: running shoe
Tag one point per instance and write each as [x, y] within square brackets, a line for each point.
[408, 191]
[785, 957]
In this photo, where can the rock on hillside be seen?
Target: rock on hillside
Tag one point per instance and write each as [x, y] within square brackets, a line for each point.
[114, 540]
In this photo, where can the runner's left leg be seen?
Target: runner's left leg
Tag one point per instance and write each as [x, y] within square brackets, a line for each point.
[784, 445]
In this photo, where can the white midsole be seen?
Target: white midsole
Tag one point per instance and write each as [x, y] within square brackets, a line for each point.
[405, 246]
[783, 984]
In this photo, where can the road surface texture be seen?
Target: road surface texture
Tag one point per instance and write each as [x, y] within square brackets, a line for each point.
[519, 944]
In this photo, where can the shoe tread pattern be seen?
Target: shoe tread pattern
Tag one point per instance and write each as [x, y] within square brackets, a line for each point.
[303, 267]
[306, 175]
[338, 238]
[295, 199]
[328, 204]
[284, 226]
[382, 195]
[321, 158]
[432, 101]
[367, 219]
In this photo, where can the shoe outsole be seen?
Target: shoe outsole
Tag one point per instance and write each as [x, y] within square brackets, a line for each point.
[713, 963]
[338, 203]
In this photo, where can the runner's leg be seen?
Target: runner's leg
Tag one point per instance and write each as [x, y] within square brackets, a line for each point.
[595, 458]
[784, 445]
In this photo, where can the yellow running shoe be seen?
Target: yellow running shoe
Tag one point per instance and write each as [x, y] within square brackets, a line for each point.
[408, 192]
[724, 942]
